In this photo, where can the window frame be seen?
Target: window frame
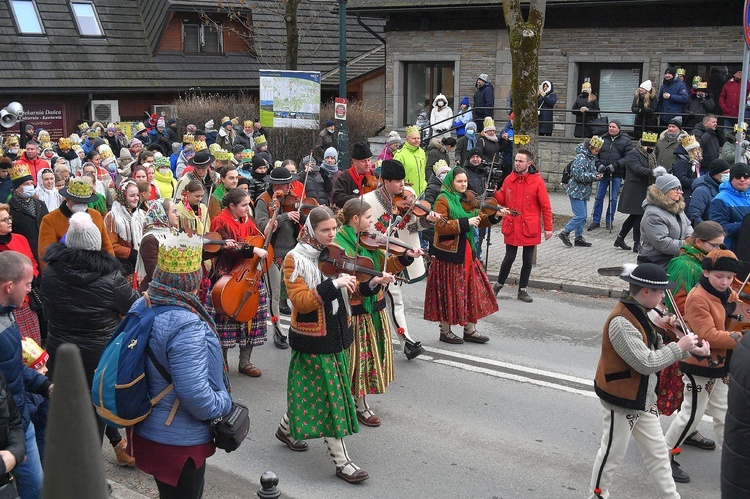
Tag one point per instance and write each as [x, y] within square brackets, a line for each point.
[78, 24]
[17, 25]
[202, 37]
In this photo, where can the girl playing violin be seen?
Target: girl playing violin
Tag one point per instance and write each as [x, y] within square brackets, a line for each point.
[458, 291]
[371, 353]
[319, 395]
[234, 222]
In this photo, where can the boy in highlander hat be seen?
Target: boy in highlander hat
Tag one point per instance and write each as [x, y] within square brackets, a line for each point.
[631, 356]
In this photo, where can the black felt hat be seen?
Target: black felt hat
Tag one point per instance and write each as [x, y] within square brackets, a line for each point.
[649, 275]
[202, 159]
[280, 176]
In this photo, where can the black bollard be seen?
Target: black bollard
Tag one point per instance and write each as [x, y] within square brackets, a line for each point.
[73, 464]
[268, 483]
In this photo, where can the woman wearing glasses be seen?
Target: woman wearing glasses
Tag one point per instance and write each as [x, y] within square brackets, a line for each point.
[664, 226]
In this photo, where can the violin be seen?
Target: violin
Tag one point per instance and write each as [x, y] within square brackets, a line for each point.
[470, 201]
[292, 203]
[375, 240]
[333, 261]
[369, 183]
[406, 203]
[236, 293]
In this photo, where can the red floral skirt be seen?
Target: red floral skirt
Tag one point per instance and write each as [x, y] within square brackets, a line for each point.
[457, 296]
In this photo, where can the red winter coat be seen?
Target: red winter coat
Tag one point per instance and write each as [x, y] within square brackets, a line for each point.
[729, 99]
[527, 194]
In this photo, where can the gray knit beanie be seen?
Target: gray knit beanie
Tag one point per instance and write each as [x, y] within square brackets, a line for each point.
[666, 183]
[82, 233]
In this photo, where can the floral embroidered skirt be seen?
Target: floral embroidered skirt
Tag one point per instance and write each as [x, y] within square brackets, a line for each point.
[370, 354]
[319, 396]
[232, 333]
[456, 296]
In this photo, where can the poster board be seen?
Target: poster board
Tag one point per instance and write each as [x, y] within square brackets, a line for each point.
[290, 99]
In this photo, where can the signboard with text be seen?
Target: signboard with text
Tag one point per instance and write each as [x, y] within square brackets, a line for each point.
[290, 99]
[47, 115]
[340, 108]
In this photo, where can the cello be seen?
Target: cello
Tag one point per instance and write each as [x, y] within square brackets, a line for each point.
[236, 294]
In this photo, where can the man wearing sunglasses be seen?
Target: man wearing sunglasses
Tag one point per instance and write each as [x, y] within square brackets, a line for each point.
[732, 203]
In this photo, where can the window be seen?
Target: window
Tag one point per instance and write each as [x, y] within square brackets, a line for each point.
[424, 80]
[614, 86]
[199, 38]
[86, 19]
[26, 17]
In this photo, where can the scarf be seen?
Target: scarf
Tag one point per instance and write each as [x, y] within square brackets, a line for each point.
[27, 205]
[305, 255]
[128, 225]
[685, 269]
[721, 295]
[219, 192]
[356, 176]
[178, 290]
[50, 197]
[347, 239]
[238, 230]
[456, 210]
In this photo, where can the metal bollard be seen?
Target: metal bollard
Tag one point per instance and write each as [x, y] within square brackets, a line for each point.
[268, 483]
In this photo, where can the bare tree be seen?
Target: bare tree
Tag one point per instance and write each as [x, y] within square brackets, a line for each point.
[258, 24]
[525, 37]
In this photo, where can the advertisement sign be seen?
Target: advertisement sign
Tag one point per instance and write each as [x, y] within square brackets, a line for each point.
[340, 108]
[290, 99]
[47, 115]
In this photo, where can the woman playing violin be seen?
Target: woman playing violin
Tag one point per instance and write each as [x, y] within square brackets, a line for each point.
[371, 353]
[234, 222]
[706, 379]
[283, 240]
[458, 291]
[319, 395]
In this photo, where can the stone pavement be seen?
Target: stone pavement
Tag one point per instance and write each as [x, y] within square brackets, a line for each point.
[569, 269]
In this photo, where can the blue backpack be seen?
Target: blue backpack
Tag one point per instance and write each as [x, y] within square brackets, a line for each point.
[120, 390]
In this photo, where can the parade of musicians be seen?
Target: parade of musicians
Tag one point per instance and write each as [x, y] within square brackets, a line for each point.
[393, 287]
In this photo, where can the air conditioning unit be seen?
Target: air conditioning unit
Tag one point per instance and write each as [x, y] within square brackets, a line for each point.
[105, 111]
[168, 111]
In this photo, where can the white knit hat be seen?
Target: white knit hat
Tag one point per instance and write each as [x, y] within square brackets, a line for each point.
[647, 85]
[82, 233]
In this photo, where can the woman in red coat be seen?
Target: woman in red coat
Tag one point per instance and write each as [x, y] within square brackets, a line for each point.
[524, 191]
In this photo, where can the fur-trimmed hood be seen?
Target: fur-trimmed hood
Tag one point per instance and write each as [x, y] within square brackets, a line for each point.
[655, 197]
[80, 266]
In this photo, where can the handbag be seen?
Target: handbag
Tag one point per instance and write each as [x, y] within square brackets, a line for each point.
[232, 429]
[35, 299]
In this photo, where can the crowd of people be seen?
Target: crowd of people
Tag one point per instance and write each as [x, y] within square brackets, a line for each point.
[98, 225]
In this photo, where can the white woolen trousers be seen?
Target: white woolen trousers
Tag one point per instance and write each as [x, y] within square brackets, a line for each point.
[647, 433]
[701, 395]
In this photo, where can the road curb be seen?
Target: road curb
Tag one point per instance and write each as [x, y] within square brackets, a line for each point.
[568, 287]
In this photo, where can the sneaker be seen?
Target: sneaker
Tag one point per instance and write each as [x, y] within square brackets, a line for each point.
[594, 226]
[524, 296]
[496, 288]
[580, 241]
[677, 473]
[565, 239]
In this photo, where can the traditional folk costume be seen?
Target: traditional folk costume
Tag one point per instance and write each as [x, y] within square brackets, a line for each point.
[232, 332]
[408, 231]
[319, 396]
[125, 229]
[706, 379]
[458, 291]
[27, 319]
[632, 353]
[371, 353]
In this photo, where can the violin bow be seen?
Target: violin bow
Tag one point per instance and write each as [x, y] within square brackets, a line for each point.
[304, 184]
[489, 175]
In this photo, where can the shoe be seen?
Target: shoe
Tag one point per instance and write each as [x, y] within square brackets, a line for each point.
[475, 337]
[609, 226]
[620, 243]
[565, 239]
[698, 440]
[351, 473]
[593, 226]
[368, 418]
[637, 247]
[295, 445]
[413, 350]
[284, 308]
[524, 296]
[677, 473]
[123, 458]
[279, 340]
[449, 337]
[250, 370]
[580, 241]
[496, 288]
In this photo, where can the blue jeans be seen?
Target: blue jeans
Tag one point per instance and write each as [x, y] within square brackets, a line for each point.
[580, 213]
[29, 473]
[601, 193]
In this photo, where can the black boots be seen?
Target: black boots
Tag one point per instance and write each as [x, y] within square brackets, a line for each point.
[565, 239]
[580, 241]
[620, 243]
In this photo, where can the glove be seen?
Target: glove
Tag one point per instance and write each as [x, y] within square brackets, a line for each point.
[611, 168]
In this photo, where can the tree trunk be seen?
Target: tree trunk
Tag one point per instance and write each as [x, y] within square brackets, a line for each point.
[292, 33]
[525, 37]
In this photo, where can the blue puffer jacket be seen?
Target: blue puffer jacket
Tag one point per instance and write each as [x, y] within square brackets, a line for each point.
[705, 188]
[678, 99]
[190, 352]
[19, 377]
[728, 208]
[582, 173]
